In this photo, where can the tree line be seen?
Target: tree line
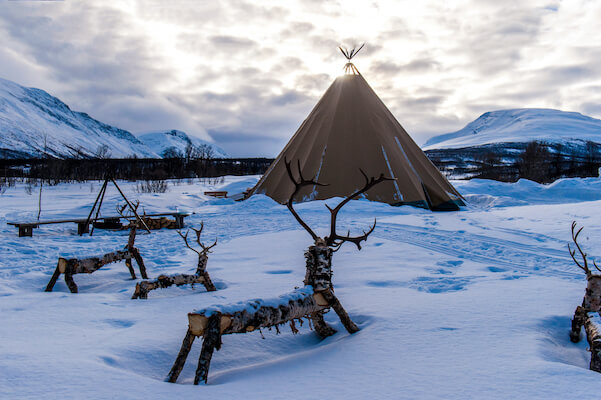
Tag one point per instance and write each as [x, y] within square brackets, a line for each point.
[78, 170]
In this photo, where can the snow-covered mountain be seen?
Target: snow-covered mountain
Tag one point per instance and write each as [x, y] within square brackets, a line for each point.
[519, 126]
[500, 145]
[174, 143]
[34, 123]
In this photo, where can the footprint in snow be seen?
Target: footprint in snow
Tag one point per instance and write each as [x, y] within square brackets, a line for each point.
[119, 323]
[430, 284]
[279, 271]
[384, 283]
[450, 263]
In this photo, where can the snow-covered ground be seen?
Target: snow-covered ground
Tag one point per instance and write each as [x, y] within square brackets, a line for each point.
[461, 305]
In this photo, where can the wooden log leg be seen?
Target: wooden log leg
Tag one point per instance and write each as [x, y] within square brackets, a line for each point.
[342, 314]
[593, 336]
[212, 340]
[52, 282]
[130, 268]
[577, 322]
[321, 327]
[141, 291]
[136, 292]
[140, 261]
[178, 365]
[70, 282]
[208, 283]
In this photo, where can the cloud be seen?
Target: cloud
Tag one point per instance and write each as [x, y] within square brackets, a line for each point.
[246, 74]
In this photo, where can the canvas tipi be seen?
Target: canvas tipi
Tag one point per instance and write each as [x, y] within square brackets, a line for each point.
[350, 130]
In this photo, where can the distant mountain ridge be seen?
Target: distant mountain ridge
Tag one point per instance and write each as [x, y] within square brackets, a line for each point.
[534, 143]
[33, 124]
[175, 143]
[521, 125]
[36, 124]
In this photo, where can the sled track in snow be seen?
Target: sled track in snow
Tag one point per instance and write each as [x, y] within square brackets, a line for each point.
[489, 250]
[524, 254]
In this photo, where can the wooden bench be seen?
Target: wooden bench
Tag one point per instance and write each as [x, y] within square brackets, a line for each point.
[26, 228]
[218, 194]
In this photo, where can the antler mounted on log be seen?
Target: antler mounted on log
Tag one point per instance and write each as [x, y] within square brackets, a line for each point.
[592, 296]
[584, 265]
[312, 301]
[319, 256]
[205, 249]
[200, 276]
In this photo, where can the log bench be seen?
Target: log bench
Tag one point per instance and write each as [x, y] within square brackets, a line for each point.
[71, 266]
[310, 301]
[218, 194]
[111, 222]
[212, 323]
[201, 275]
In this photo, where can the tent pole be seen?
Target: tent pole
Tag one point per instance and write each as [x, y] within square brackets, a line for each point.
[131, 207]
[102, 189]
[99, 206]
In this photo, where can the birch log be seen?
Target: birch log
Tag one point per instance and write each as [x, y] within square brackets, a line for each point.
[259, 314]
[592, 327]
[165, 281]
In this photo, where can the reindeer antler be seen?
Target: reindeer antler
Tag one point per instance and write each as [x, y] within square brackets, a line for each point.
[297, 187]
[582, 253]
[121, 209]
[205, 249]
[185, 237]
[334, 240]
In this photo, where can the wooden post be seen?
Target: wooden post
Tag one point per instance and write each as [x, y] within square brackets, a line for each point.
[25, 230]
[179, 221]
[83, 227]
[212, 340]
[178, 365]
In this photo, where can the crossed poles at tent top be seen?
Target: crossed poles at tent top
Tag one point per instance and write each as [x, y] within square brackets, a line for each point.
[99, 200]
[349, 67]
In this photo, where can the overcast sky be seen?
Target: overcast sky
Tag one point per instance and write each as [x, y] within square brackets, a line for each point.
[245, 74]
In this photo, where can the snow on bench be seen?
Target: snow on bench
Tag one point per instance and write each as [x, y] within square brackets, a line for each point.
[112, 222]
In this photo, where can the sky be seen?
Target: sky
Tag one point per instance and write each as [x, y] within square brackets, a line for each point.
[245, 74]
